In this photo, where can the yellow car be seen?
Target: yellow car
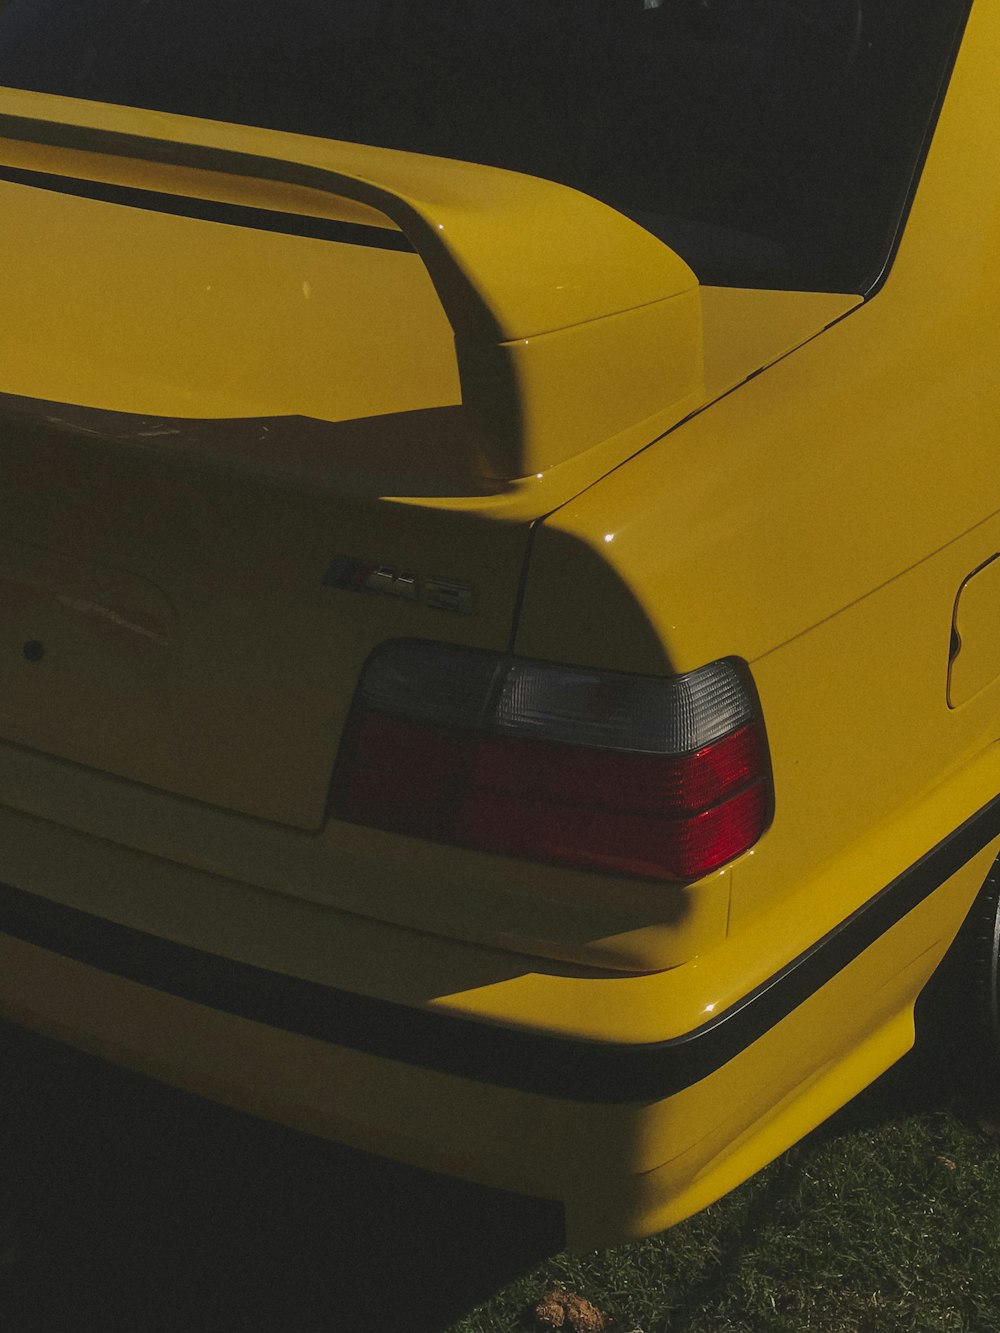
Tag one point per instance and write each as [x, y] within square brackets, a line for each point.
[500, 564]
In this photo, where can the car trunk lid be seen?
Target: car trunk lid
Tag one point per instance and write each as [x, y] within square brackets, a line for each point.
[234, 458]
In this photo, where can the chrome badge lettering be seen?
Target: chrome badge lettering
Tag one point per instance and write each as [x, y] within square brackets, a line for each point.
[356, 575]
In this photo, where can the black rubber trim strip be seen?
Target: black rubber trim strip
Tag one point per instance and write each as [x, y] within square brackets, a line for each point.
[873, 285]
[208, 210]
[529, 1061]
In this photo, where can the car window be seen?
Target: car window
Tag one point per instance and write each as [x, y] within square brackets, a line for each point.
[773, 143]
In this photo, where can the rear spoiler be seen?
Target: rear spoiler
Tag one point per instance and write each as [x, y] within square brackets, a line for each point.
[572, 324]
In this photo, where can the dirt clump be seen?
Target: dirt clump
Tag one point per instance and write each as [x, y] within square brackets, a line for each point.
[562, 1309]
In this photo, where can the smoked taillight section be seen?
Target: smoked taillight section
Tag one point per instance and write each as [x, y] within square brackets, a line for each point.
[664, 777]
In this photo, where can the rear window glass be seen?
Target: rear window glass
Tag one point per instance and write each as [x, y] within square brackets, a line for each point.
[773, 143]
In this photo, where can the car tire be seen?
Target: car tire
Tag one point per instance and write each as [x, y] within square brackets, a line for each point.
[959, 1013]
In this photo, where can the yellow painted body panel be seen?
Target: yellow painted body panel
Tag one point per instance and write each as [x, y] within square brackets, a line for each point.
[817, 520]
[535, 320]
[747, 330]
[268, 393]
[167, 316]
[621, 1171]
[975, 650]
[253, 918]
[819, 523]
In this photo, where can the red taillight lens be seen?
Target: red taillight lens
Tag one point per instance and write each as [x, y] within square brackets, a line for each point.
[600, 839]
[476, 765]
[642, 783]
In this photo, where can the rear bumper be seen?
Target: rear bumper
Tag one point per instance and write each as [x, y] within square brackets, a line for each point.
[629, 1137]
[532, 1061]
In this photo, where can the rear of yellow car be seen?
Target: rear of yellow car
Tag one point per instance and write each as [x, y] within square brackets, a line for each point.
[495, 671]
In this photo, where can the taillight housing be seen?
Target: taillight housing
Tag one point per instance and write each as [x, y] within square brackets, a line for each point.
[663, 777]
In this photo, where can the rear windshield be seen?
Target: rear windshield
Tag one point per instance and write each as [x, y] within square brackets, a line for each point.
[773, 143]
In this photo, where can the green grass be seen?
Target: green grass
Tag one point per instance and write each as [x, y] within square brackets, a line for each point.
[889, 1225]
[885, 1218]
[124, 1206]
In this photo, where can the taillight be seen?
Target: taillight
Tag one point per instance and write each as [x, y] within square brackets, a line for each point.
[661, 777]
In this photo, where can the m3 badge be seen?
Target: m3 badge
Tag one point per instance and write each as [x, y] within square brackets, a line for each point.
[355, 575]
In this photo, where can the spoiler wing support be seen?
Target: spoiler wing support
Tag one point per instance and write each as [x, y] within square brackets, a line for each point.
[572, 324]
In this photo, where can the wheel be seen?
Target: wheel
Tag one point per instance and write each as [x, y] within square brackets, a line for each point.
[981, 931]
[958, 1015]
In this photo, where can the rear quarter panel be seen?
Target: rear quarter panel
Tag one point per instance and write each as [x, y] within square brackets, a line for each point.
[818, 522]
